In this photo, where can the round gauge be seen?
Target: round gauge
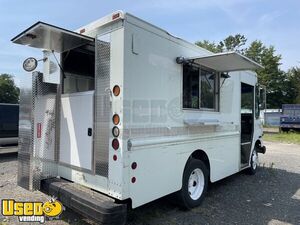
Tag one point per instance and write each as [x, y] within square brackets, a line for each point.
[30, 64]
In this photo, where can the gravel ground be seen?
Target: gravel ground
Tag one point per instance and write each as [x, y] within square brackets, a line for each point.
[270, 197]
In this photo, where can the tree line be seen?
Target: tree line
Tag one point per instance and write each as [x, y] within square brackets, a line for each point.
[283, 87]
[9, 92]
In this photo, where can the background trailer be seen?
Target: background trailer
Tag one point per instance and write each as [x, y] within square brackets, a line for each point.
[9, 121]
[125, 113]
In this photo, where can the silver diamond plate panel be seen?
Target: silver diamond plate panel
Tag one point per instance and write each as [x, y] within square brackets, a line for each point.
[44, 149]
[102, 105]
[25, 137]
[37, 148]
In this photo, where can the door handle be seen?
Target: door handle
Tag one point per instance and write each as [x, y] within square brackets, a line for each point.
[90, 131]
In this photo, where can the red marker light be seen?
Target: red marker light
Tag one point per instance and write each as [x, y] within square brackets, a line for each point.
[116, 16]
[82, 31]
[133, 180]
[38, 130]
[115, 158]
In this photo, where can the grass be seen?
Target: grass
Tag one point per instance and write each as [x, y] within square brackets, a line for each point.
[269, 126]
[290, 137]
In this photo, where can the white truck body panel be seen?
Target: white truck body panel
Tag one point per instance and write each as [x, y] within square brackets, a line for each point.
[76, 117]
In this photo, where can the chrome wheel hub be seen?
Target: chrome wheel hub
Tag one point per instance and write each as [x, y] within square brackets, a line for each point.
[196, 184]
[254, 159]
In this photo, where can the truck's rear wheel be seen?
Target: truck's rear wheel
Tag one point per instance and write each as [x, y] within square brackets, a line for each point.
[194, 184]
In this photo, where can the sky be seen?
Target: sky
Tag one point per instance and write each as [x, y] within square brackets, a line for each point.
[273, 22]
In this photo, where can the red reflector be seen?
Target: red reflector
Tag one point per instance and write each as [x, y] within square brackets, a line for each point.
[115, 144]
[134, 165]
[38, 130]
[115, 158]
[82, 31]
[133, 180]
[115, 16]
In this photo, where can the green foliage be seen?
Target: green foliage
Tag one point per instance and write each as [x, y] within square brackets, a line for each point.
[9, 92]
[271, 76]
[293, 138]
[210, 46]
[231, 43]
[282, 87]
[293, 77]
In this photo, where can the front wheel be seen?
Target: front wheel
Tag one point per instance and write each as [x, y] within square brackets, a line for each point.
[253, 163]
[194, 184]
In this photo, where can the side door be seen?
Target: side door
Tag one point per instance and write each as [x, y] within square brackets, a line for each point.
[247, 122]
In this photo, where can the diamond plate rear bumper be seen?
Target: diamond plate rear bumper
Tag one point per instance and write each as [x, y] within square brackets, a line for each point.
[86, 202]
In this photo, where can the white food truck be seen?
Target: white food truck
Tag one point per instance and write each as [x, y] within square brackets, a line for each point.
[124, 113]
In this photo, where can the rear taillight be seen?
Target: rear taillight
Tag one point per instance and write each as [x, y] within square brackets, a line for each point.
[133, 180]
[134, 165]
[115, 144]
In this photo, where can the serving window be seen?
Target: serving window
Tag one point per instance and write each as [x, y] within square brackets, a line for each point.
[79, 69]
[200, 88]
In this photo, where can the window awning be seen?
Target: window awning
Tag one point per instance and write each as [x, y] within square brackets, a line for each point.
[45, 36]
[226, 62]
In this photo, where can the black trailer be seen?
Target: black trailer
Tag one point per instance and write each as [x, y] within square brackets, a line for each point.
[9, 124]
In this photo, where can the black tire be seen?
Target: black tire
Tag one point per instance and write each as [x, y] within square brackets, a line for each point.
[253, 167]
[183, 195]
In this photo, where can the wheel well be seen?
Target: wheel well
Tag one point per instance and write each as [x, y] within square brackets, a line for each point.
[201, 155]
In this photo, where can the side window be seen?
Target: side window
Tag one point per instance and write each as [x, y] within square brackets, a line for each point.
[200, 88]
[247, 100]
[190, 87]
[257, 95]
[208, 89]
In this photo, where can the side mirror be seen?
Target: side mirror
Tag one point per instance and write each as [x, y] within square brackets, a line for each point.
[51, 70]
[30, 64]
[262, 97]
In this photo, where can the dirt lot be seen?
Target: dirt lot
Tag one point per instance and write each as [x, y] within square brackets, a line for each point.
[270, 197]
